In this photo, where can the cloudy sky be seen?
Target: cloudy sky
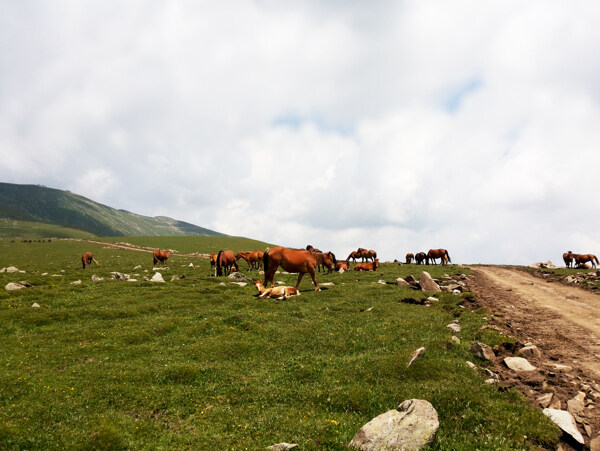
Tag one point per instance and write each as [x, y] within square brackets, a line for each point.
[398, 126]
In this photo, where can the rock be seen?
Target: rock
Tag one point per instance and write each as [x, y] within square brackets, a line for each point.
[559, 367]
[174, 278]
[95, 278]
[482, 351]
[418, 353]
[595, 444]
[530, 352]
[35, 305]
[471, 365]
[380, 281]
[240, 277]
[565, 421]
[545, 400]
[576, 405]
[326, 284]
[77, 282]
[157, 277]
[138, 267]
[11, 269]
[410, 427]
[518, 364]
[241, 284]
[410, 279]
[283, 446]
[341, 271]
[454, 327]
[401, 282]
[455, 339]
[12, 286]
[427, 283]
[541, 265]
[432, 299]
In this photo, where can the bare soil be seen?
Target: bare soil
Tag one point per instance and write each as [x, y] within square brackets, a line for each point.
[563, 321]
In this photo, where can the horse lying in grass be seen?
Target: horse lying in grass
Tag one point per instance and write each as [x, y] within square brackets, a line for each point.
[371, 266]
[87, 259]
[342, 265]
[279, 293]
[292, 260]
[160, 256]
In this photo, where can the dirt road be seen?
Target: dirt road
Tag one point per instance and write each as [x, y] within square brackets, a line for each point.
[562, 321]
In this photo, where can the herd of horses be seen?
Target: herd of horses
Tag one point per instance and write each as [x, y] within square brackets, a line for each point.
[422, 258]
[580, 260]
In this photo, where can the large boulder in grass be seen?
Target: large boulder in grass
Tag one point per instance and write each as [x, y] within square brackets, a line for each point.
[410, 427]
[427, 283]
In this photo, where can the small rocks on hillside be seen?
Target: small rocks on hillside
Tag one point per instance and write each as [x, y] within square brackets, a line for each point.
[518, 364]
[482, 351]
[565, 421]
[95, 278]
[12, 286]
[418, 353]
[454, 327]
[12, 269]
[427, 283]
[157, 277]
[282, 446]
[35, 305]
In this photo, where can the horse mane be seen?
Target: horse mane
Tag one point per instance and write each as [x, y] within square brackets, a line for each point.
[219, 269]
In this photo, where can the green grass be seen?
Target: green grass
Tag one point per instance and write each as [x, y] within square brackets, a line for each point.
[25, 230]
[193, 364]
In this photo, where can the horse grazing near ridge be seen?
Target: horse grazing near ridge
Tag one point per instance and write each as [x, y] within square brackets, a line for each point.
[87, 259]
[353, 255]
[568, 259]
[582, 259]
[409, 258]
[279, 293]
[225, 260]
[367, 255]
[292, 260]
[442, 254]
[371, 266]
[160, 256]
[253, 258]
[420, 258]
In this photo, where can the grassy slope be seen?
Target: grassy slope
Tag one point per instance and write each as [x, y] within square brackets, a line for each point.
[193, 364]
[21, 230]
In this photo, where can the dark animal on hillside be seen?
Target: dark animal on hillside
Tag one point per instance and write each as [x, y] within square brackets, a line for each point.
[568, 259]
[581, 259]
[160, 256]
[409, 258]
[371, 266]
[420, 257]
[367, 255]
[225, 260]
[87, 259]
[442, 254]
[292, 260]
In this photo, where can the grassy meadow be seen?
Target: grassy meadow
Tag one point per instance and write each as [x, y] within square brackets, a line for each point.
[195, 364]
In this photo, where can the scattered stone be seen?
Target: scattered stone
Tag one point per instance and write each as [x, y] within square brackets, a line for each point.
[518, 364]
[471, 365]
[164, 268]
[131, 280]
[576, 405]
[455, 339]
[432, 299]
[411, 426]
[283, 446]
[545, 399]
[427, 283]
[381, 282]
[454, 327]
[35, 305]
[565, 421]
[77, 282]
[138, 267]
[144, 279]
[222, 284]
[341, 271]
[418, 353]
[157, 277]
[541, 265]
[410, 279]
[11, 269]
[95, 278]
[241, 284]
[44, 274]
[595, 444]
[12, 286]
[530, 352]
[327, 284]
[174, 278]
[482, 351]
[559, 367]
[401, 282]
[240, 277]
[369, 309]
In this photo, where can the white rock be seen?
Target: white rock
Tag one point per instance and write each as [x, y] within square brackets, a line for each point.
[283, 446]
[77, 282]
[327, 284]
[432, 299]
[518, 364]
[12, 286]
[138, 267]
[381, 282]
[454, 327]
[482, 351]
[418, 353]
[157, 277]
[403, 283]
[566, 422]
[427, 283]
[471, 365]
[241, 284]
[95, 278]
[35, 305]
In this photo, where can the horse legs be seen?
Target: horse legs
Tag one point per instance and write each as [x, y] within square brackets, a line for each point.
[311, 271]
[270, 275]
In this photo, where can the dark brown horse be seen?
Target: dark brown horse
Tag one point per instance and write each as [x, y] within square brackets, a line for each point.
[225, 260]
[325, 260]
[582, 259]
[371, 266]
[160, 256]
[409, 258]
[442, 254]
[568, 259]
[353, 255]
[87, 259]
[367, 255]
[420, 258]
[292, 260]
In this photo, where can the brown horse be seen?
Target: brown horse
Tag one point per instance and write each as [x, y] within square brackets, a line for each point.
[279, 293]
[225, 260]
[367, 255]
[371, 266]
[442, 254]
[342, 265]
[568, 259]
[213, 263]
[582, 259]
[160, 256]
[409, 258]
[353, 255]
[325, 260]
[292, 260]
[87, 259]
[246, 256]
[420, 258]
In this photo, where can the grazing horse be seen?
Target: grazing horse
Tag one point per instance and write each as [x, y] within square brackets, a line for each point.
[353, 255]
[225, 260]
[371, 266]
[87, 259]
[213, 263]
[582, 259]
[292, 260]
[279, 293]
[367, 255]
[442, 254]
[248, 257]
[568, 259]
[420, 258]
[160, 256]
[311, 249]
[409, 258]
[325, 260]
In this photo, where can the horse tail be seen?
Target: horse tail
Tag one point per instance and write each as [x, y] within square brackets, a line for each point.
[266, 260]
[596, 258]
[333, 258]
[219, 268]
[448, 255]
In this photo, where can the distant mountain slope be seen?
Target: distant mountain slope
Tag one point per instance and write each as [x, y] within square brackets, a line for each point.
[52, 206]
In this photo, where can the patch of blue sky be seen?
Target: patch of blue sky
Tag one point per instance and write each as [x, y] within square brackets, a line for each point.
[296, 121]
[455, 98]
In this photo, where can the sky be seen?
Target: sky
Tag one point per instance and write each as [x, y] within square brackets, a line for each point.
[398, 126]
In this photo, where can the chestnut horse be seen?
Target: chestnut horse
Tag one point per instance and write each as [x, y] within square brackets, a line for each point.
[442, 254]
[409, 258]
[213, 263]
[420, 258]
[367, 255]
[582, 259]
[326, 260]
[292, 260]
[342, 265]
[87, 259]
[225, 260]
[568, 259]
[353, 255]
[371, 266]
[160, 256]
[250, 257]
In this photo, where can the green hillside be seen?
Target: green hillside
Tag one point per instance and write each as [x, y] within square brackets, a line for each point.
[38, 204]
